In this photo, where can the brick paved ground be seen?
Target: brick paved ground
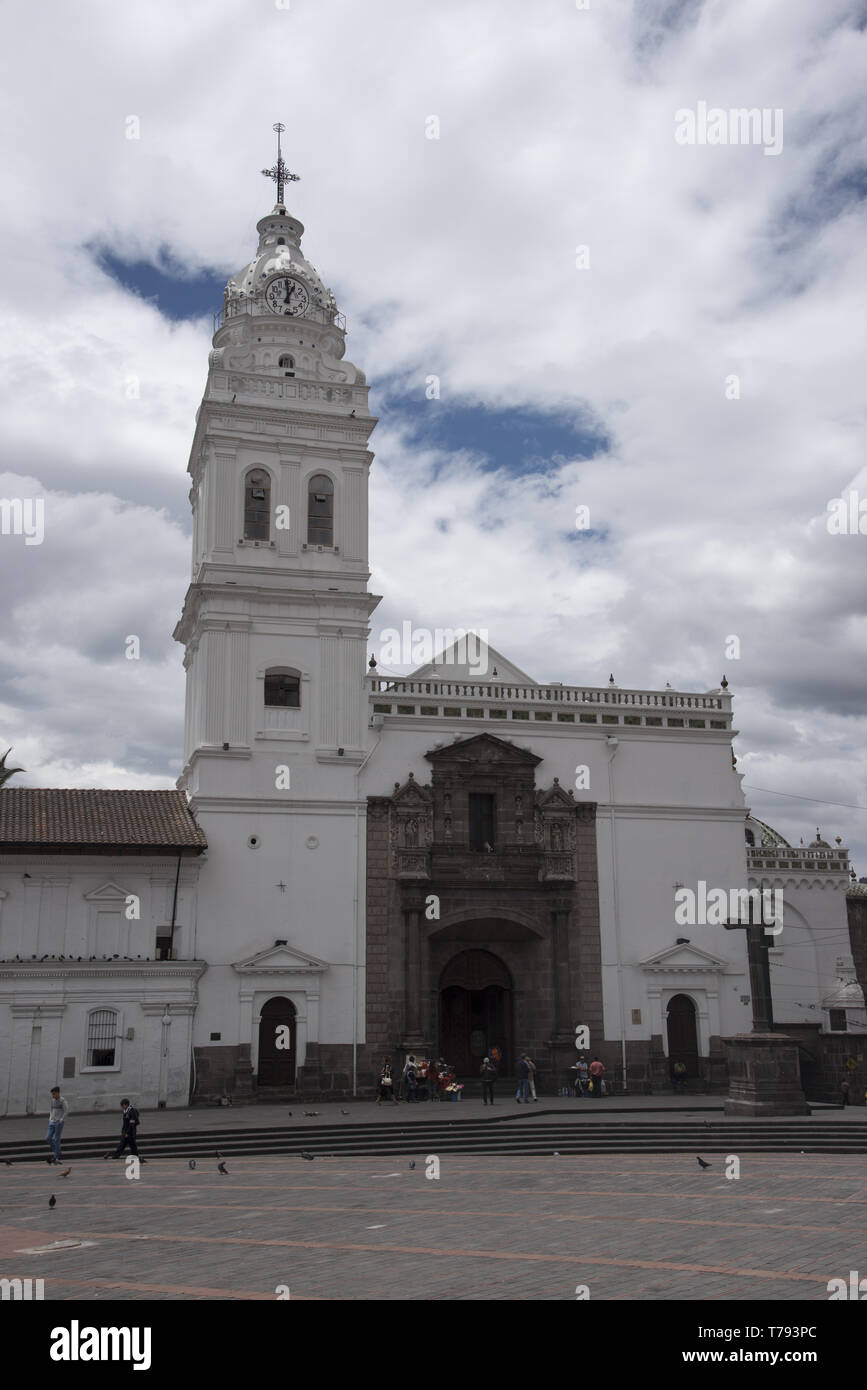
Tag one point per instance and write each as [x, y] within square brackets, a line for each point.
[505, 1228]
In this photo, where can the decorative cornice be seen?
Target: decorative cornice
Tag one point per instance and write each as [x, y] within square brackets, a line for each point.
[95, 970]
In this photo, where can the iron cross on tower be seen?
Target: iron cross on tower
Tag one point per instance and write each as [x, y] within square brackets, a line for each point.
[279, 173]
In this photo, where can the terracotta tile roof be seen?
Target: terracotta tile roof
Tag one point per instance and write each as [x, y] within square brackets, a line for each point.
[65, 819]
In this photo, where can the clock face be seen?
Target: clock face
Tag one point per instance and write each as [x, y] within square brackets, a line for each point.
[283, 295]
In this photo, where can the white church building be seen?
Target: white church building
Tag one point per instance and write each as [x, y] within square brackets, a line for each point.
[359, 865]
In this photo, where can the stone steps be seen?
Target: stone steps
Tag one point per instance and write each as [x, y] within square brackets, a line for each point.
[574, 1134]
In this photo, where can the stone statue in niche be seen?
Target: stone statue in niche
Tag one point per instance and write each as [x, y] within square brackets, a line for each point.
[411, 833]
[447, 829]
[556, 837]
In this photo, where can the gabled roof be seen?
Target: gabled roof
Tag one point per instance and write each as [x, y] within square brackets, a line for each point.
[281, 959]
[682, 959]
[76, 820]
[471, 659]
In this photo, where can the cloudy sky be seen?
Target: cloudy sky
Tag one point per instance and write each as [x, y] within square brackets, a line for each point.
[694, 375]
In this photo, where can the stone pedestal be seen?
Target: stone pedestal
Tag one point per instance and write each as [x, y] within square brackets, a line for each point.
[764, 1076]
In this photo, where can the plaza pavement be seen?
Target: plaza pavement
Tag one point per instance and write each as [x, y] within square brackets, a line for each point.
[627, 1226]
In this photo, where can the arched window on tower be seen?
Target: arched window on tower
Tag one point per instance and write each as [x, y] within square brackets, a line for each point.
[320, 510]
[288, 364]
[282, 690]
[257, 505]
[751, 839]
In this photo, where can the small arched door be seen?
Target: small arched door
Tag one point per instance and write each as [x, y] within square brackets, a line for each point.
[682, 1033]
[277, 1043]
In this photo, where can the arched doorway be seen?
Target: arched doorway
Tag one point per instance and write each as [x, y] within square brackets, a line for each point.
[475, 1011]
[276, 1030]
[682, 1033]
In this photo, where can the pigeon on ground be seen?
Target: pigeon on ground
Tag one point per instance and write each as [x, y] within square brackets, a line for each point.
[412, 1163]
[8, 1162]
[344, 1112]
[52, 1200]
[311, 1112]
[218, 1154]
[192, 1163]
[701, 1163]
[307, 1156]
[221, 1168]
[66, 1172]
[289, 1113]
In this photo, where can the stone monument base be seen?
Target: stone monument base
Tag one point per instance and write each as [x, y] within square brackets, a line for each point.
[764, 1075]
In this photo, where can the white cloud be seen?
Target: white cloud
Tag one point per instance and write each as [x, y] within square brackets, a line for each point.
[457, 257]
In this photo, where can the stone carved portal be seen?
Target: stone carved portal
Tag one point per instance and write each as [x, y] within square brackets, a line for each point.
[475, 1012]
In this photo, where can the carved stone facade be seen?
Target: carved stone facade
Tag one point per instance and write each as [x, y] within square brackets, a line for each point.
[468, 948]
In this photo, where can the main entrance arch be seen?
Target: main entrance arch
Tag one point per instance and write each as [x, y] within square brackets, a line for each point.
[277, 1025]
[475, 1012]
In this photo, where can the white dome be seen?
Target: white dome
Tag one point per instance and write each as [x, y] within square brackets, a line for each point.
[279, 252]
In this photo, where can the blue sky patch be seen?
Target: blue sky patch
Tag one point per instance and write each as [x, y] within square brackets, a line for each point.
[175, 293]
[518, 441]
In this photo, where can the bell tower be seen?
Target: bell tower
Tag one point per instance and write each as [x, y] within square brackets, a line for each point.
[276, 616]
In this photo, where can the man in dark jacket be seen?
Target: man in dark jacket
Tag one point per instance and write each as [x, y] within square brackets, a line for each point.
[488, 1073]
[522, 1073]
[128, 1130]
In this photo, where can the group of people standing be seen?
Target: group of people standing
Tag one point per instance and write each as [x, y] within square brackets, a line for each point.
[589, 1078]
[525, 1075]
[421, 1078]
[427, 1078]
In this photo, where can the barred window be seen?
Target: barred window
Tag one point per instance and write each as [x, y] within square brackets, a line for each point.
[320, 510]
[257, 501]
[101, 1038]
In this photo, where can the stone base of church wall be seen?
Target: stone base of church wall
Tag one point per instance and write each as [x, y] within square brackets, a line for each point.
[223, 1072]
[833, 1059]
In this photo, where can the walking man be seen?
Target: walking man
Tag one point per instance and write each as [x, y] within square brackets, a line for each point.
[597, 1071]
[128, 1130]
[57, 1112]
[522, 1074]
[488, 1074]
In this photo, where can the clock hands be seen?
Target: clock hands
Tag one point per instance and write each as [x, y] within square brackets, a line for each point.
[295, 298]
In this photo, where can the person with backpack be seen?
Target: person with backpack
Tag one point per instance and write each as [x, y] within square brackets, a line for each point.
[597, 1071]
[128, 1131]
[488, 1073]
[410, 1080]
